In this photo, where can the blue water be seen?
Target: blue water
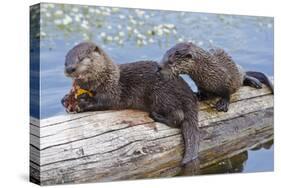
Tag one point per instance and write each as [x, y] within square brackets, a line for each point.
[260, 160]
[129, 35]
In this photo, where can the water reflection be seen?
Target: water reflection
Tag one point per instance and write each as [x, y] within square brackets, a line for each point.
[238, 162]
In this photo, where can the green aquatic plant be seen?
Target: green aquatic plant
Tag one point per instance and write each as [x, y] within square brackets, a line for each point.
[106, 24]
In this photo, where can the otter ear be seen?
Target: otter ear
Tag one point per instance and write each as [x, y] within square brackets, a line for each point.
[97, 50]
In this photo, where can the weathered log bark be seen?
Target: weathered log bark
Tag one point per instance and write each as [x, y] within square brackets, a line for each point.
[119, 145]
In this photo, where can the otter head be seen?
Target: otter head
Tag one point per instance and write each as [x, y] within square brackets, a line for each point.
[88, 62]
[180, 59]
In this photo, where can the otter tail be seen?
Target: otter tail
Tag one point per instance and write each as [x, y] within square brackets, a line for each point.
[191, 136]
[262, 78]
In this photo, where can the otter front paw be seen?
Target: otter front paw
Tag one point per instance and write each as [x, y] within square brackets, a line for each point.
[222, 105]
[82, 104]
[70, 104]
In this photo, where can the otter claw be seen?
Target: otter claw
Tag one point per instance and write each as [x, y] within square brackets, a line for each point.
[222, 105]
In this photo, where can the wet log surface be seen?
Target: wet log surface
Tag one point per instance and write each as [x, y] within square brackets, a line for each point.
[127, 144]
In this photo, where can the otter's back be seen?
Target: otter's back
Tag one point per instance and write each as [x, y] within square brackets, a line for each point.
[142, 86]
[138, 73]
[233, 75]
[136, 80]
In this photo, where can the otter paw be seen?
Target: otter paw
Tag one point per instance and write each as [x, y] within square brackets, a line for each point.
[77, 109]
[68, 103]
[83, 105]
[222, 105]
[72, 108]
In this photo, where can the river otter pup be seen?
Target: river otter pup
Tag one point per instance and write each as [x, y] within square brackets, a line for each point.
[135, 86]
[214, 72]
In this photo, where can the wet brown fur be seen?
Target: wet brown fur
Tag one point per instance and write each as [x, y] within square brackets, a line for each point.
[136, 86]
[214, 72]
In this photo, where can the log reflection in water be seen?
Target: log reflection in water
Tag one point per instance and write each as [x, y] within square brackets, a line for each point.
[234, 164]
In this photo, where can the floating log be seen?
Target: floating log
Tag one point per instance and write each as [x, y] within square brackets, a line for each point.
[127, 144]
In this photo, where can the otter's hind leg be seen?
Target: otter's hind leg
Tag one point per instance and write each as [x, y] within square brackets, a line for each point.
[160, 118]
[190, 132]
[252, 82]
[172, 119]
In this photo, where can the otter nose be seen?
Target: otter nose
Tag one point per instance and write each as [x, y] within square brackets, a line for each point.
[70, 70]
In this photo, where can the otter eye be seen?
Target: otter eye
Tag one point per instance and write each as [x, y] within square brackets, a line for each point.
[188, 56]
[177, 53]
[170, 62]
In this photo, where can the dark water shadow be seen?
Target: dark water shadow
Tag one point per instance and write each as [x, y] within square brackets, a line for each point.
[233, 164]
